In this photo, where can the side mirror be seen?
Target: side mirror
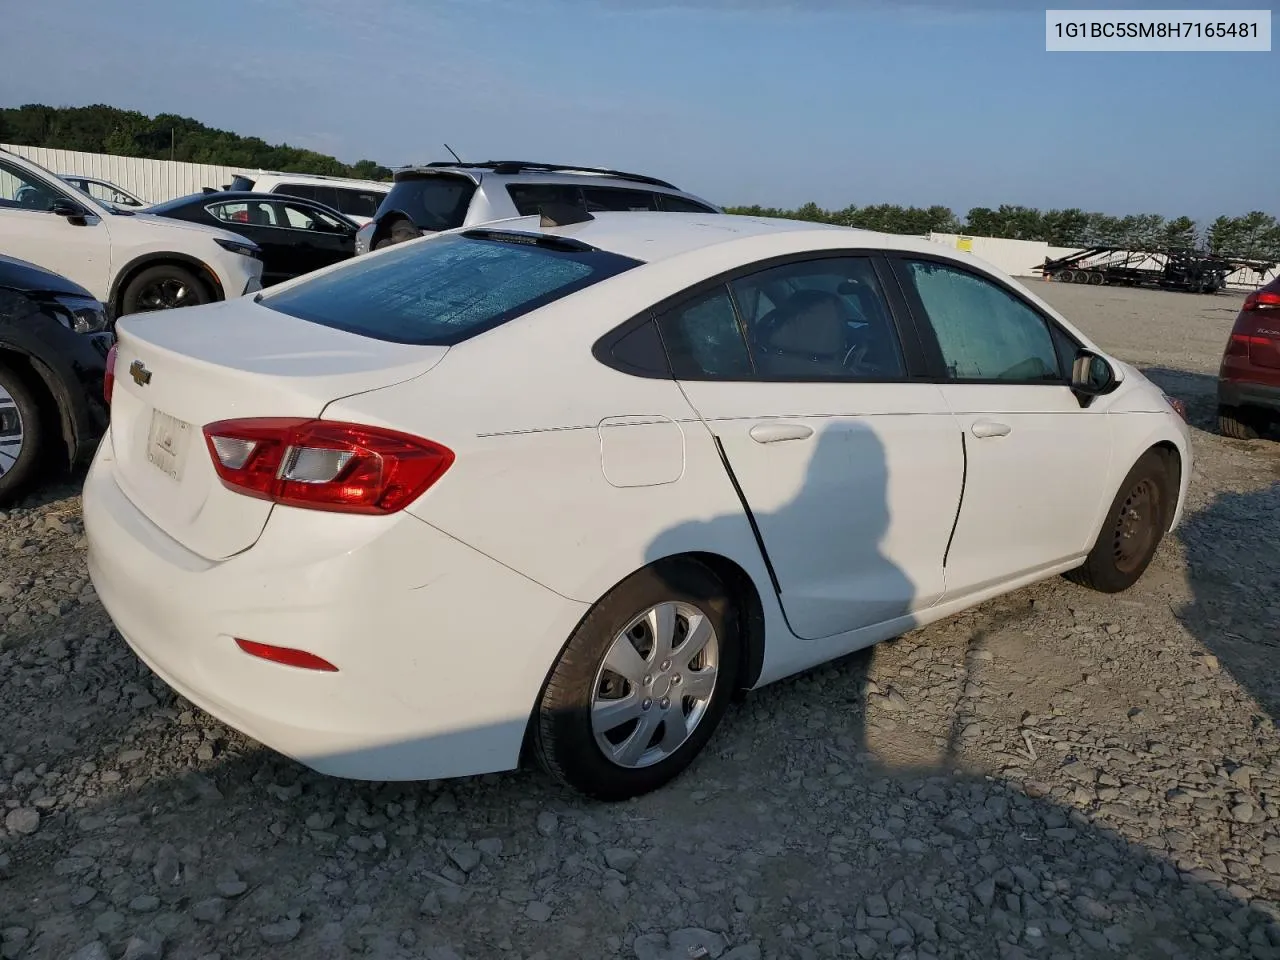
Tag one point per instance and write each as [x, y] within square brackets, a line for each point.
[74, 213]
[1091, 376]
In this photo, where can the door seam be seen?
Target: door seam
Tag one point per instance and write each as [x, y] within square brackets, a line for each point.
[964, 479]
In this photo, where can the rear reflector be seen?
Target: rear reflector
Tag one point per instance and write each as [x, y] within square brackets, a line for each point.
[324, 464]
[109, 379]
[285, 655]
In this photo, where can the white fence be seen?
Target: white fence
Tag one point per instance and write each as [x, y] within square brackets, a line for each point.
[1018, 258]
[152, 180]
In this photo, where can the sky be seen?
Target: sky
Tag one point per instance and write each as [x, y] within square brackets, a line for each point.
[776, 102]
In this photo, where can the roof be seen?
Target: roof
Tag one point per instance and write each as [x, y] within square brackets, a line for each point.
[225, 196]
[652, 236]
[510, 168]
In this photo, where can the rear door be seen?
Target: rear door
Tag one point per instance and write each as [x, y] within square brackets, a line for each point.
[850, 467]
[1038, 463]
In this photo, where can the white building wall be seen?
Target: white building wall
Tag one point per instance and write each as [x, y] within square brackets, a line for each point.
[152, 180]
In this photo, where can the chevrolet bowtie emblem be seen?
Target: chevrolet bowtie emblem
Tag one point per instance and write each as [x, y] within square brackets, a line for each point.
[141, 375]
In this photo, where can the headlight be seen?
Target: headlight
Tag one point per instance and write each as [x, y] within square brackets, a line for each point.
[82, 314]
[246, 248]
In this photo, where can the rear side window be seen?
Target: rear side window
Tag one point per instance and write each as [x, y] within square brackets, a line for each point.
[618, 198]
[675, 204]
[445, 290]
[703, 338]
[529, 197]
[433, 203]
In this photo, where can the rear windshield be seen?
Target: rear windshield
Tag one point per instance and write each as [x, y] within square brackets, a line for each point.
[436, 202]
[443, 290]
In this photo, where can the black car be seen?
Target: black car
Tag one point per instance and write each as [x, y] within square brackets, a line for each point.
[54, 341]
[296, 235]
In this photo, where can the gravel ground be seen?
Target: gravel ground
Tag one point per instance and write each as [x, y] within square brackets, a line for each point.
[1054, 774]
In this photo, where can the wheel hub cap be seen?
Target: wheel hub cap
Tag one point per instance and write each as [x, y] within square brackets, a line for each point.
[654, 686]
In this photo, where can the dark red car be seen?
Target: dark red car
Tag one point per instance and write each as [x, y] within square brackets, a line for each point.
[1249, 381]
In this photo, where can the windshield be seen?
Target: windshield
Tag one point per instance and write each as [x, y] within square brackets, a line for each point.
[434, 202]
[444, 290]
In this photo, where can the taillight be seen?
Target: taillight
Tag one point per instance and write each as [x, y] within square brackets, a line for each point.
[109, 378]
[324, 464]
[1262, 300]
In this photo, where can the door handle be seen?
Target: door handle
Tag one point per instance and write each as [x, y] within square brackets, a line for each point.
[775, 432]
[989, 428]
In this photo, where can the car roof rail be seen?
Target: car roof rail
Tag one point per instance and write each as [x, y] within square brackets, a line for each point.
[507, 167]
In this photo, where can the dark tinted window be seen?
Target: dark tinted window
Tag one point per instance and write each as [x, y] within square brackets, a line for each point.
[618, 198]
[306, 191]
[355, 203]
[444, 290]
[819, 320]
[673, 204]
[703, 338]
[433, 203]
[984, 332]
[529, 197]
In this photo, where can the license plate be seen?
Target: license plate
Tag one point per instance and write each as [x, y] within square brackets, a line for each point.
[167, 444]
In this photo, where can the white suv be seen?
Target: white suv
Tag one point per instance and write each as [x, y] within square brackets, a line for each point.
[444, 196]
[130, 261]
[357, 199]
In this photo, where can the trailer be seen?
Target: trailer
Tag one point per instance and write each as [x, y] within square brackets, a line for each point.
[1170, 268]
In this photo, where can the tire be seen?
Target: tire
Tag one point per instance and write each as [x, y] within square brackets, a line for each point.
[400, 231]
[1095, 279]
[1066, 276]
[1134, 526]
[163, 287]
[21, 416]
[566, 741]
[1235, 423]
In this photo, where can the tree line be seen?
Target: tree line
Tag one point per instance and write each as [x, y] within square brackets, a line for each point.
[1254, 236]
[166, 136]
[128, 133]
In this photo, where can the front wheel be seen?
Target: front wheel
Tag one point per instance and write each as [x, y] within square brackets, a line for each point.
[1133, 529]
[21, 435]
[163, 287]
[642, 683]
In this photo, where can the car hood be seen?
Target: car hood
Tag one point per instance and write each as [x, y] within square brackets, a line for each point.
[151, 221]
[26, 277]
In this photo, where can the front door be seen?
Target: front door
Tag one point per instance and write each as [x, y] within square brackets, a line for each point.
[1037, 462]
[31, 231]
[851, 471]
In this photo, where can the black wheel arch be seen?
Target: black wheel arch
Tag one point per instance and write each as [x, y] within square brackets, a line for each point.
[167, 258]
[59, 408]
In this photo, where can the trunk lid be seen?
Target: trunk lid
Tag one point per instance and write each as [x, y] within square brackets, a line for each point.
[179, 370]
[1264, 339]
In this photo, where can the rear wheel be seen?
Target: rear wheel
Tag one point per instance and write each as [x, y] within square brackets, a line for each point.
[1238, 424]
[641, 684]
[1133, 529]
[21, 435]
[163, 287]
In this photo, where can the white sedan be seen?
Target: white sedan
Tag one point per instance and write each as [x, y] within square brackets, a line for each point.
[559, 487]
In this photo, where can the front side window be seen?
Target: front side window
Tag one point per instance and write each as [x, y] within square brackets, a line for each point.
[984, 332]
[305, 218]
[19, 190]
[703, 338]
[445, 290]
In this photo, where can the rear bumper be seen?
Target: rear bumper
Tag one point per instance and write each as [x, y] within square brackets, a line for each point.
[1242, 393]
[441, 652]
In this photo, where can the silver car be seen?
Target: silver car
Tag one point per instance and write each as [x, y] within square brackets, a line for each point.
[444, 196]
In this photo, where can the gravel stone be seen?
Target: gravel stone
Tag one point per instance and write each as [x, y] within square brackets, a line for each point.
[281, 932]
[24, 820]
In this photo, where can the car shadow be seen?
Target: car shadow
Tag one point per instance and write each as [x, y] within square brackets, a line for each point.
[793, 835]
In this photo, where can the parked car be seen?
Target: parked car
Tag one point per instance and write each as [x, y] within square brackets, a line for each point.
[54, 341]
[443, 196]
[104, 191]
[132, 262]
[752, 445]
[357, 199]
[1249, 378]
[296, 236]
